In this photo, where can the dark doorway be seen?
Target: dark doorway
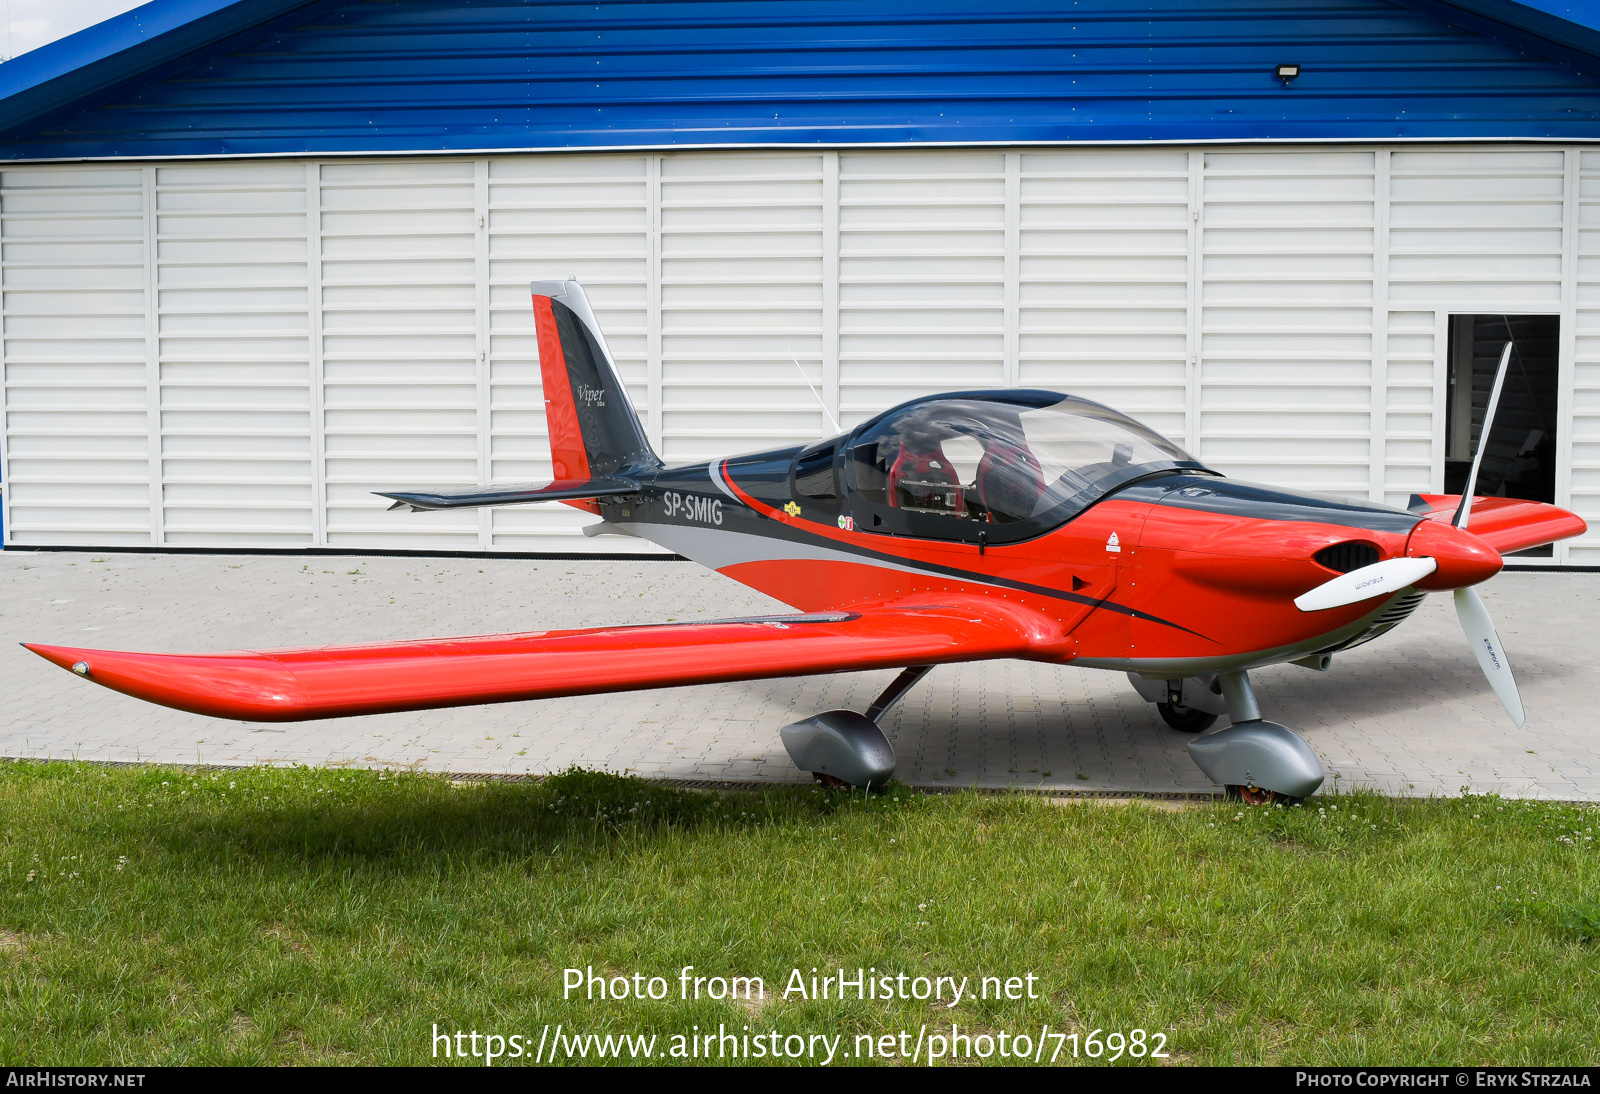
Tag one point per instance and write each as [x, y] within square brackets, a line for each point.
[1519, 460]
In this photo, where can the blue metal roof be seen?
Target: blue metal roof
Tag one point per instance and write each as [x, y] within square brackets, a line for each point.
[205, 77]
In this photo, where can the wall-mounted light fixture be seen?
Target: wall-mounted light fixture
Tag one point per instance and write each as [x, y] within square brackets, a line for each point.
[1286, 73]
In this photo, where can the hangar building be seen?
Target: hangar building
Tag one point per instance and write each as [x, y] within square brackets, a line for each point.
[262, 257]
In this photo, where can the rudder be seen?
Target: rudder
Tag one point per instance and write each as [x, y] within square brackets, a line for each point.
[593, 429]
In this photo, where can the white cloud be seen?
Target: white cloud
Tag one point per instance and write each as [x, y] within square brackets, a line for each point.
[33, 23]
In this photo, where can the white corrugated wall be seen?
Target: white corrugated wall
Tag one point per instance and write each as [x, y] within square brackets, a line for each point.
[236, 353]
[235, 458]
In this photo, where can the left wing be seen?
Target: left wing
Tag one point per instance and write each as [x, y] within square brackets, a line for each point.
[1506, 524]
[334, 682]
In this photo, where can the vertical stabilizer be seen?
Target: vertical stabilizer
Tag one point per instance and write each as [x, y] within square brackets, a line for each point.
[593, 430]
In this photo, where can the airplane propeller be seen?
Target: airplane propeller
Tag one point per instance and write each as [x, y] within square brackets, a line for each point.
[1391, 575]
[1487, 649]
[1380, 579]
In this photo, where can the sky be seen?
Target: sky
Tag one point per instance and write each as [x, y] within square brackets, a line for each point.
[32, 23]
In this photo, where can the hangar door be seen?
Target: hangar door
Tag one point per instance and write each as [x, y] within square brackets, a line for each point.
[236, 353]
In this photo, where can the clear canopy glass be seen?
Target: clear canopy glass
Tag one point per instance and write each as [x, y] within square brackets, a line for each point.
[1004, 457]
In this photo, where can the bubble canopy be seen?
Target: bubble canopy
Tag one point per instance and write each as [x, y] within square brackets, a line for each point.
[996, 466]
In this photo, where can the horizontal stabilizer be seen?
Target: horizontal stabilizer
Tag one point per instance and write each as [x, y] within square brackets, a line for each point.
[1506, 524]
[333, 682]
[474, 496]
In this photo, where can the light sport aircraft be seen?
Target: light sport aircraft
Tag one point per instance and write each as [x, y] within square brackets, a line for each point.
[960, 527]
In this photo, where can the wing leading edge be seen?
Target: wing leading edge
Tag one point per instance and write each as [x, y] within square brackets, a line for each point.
[334, 682]
[1506, 524]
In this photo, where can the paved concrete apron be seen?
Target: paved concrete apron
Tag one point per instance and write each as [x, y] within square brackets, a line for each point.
[1407, 714]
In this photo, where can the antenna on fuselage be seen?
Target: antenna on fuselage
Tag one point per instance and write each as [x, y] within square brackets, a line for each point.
[818, 394]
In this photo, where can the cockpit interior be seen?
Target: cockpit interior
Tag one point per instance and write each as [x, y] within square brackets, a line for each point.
[1004, 464]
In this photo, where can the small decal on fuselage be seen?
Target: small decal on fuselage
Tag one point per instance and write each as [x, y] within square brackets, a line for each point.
[792, 509]
[1488, 647]
[1112, 544]
[847, 524]
[692, 507]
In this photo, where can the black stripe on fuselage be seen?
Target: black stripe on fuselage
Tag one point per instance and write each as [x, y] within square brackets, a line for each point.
[1020, 586]
[1253, 501]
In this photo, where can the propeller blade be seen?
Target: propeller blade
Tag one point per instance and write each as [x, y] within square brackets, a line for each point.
[1464, 510]
[1487, 649]
[1380, 579]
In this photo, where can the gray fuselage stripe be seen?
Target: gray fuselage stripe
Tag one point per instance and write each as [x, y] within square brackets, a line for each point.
[717, 549]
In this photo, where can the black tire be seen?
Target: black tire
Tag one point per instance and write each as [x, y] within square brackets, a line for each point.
[1186, 719]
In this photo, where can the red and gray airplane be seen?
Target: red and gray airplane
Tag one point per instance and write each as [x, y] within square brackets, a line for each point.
[967, 526]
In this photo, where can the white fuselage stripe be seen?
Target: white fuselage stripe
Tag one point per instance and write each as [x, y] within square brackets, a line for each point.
[722, 484]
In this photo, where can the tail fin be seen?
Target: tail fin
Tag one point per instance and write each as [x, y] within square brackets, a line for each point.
[594, 432]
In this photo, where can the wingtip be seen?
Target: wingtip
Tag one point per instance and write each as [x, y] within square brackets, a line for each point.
[62, 656]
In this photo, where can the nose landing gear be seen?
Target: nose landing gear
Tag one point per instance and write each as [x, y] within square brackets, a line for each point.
[1254, 795]
[1254, 758]
[1258, 762]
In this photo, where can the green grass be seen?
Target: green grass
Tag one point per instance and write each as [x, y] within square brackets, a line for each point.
[303, 915]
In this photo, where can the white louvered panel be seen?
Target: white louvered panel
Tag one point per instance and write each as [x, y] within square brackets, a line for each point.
[709, 269]
[741, 302]
[552, 217]
[77, 416]
[1104, 279]
[1408, 420]
[922, 276]
[1471, 231]
[1286, 318]
[399, 348]
[1585, 440]
[1477, 230]
[236, 444]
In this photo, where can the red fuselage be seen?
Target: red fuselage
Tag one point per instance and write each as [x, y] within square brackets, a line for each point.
[1135, 582]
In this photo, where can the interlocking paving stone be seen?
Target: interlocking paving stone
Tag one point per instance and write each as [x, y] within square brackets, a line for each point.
[1407, 714]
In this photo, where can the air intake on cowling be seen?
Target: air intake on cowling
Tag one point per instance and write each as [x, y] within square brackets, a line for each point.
[1345, 557]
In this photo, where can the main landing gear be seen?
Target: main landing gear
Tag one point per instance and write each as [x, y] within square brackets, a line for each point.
[1185, 719]
[1188, 706]
[1258, 762]
[844, 749]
